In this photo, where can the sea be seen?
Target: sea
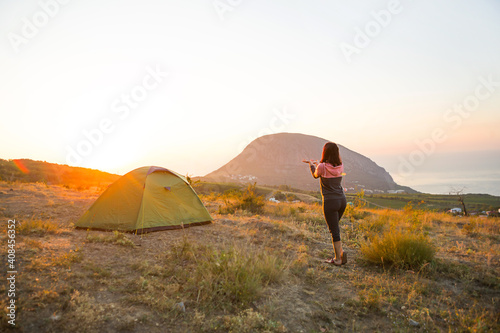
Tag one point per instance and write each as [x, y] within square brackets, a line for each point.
[444, 173]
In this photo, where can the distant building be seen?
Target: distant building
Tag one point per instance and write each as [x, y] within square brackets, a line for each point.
[396, 191]
[243, 177]
[274, 200]
[455, 210]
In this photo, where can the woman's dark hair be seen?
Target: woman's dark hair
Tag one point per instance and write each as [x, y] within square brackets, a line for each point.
[331, 154]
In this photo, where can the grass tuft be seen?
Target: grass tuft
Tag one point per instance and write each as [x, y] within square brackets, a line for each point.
[399, 249]
[117, 238]
[37, 226]
[231, 275]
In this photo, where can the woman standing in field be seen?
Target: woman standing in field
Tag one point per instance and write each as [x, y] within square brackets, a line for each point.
[330, 171]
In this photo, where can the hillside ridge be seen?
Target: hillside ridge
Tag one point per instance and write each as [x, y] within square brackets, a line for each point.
[276, 159]
[31, 171]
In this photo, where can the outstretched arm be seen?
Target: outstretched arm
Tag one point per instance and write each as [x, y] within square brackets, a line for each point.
[313, 167]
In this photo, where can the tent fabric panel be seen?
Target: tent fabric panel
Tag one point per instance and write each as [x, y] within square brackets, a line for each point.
[118, 207]
[169, 201]
[155, 169]
[161, 169]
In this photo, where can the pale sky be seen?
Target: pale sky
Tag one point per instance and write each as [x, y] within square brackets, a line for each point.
[374, 76]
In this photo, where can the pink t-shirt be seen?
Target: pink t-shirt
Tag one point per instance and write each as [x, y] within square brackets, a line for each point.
[326, 170]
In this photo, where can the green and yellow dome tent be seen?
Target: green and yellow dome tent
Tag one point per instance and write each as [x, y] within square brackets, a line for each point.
[144, 200]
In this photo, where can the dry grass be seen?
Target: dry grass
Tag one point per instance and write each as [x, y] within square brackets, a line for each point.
[399, 249]
[38, 226]
[208, 277]
[116, 237]
[245, 322]
[251, 272]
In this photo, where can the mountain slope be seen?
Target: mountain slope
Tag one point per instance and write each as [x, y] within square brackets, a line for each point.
[276, 159]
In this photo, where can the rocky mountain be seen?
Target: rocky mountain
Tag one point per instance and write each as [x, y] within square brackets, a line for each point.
[276, 159]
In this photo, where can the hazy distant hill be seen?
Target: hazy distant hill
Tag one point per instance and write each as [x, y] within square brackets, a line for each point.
[26, 170]
[276, 159]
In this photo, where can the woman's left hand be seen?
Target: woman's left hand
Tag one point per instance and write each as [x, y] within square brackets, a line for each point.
[310, 162]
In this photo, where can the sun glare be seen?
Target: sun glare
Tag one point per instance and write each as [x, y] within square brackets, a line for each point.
[19, 164]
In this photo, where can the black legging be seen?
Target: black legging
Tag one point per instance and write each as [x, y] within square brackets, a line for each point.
[333, 210]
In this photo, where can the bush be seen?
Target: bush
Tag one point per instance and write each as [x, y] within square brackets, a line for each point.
[280, 196]
[398, 249]
[413, 217]
[355, 213]
[252, 203]
[373, 224]
[470, 228]
[247, 200]
[359, 201]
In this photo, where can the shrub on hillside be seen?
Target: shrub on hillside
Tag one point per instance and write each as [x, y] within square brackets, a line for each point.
[359, 201]
[399, 249]
[250, 201]
[246, 201]
[280, 196]
[355, 213]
